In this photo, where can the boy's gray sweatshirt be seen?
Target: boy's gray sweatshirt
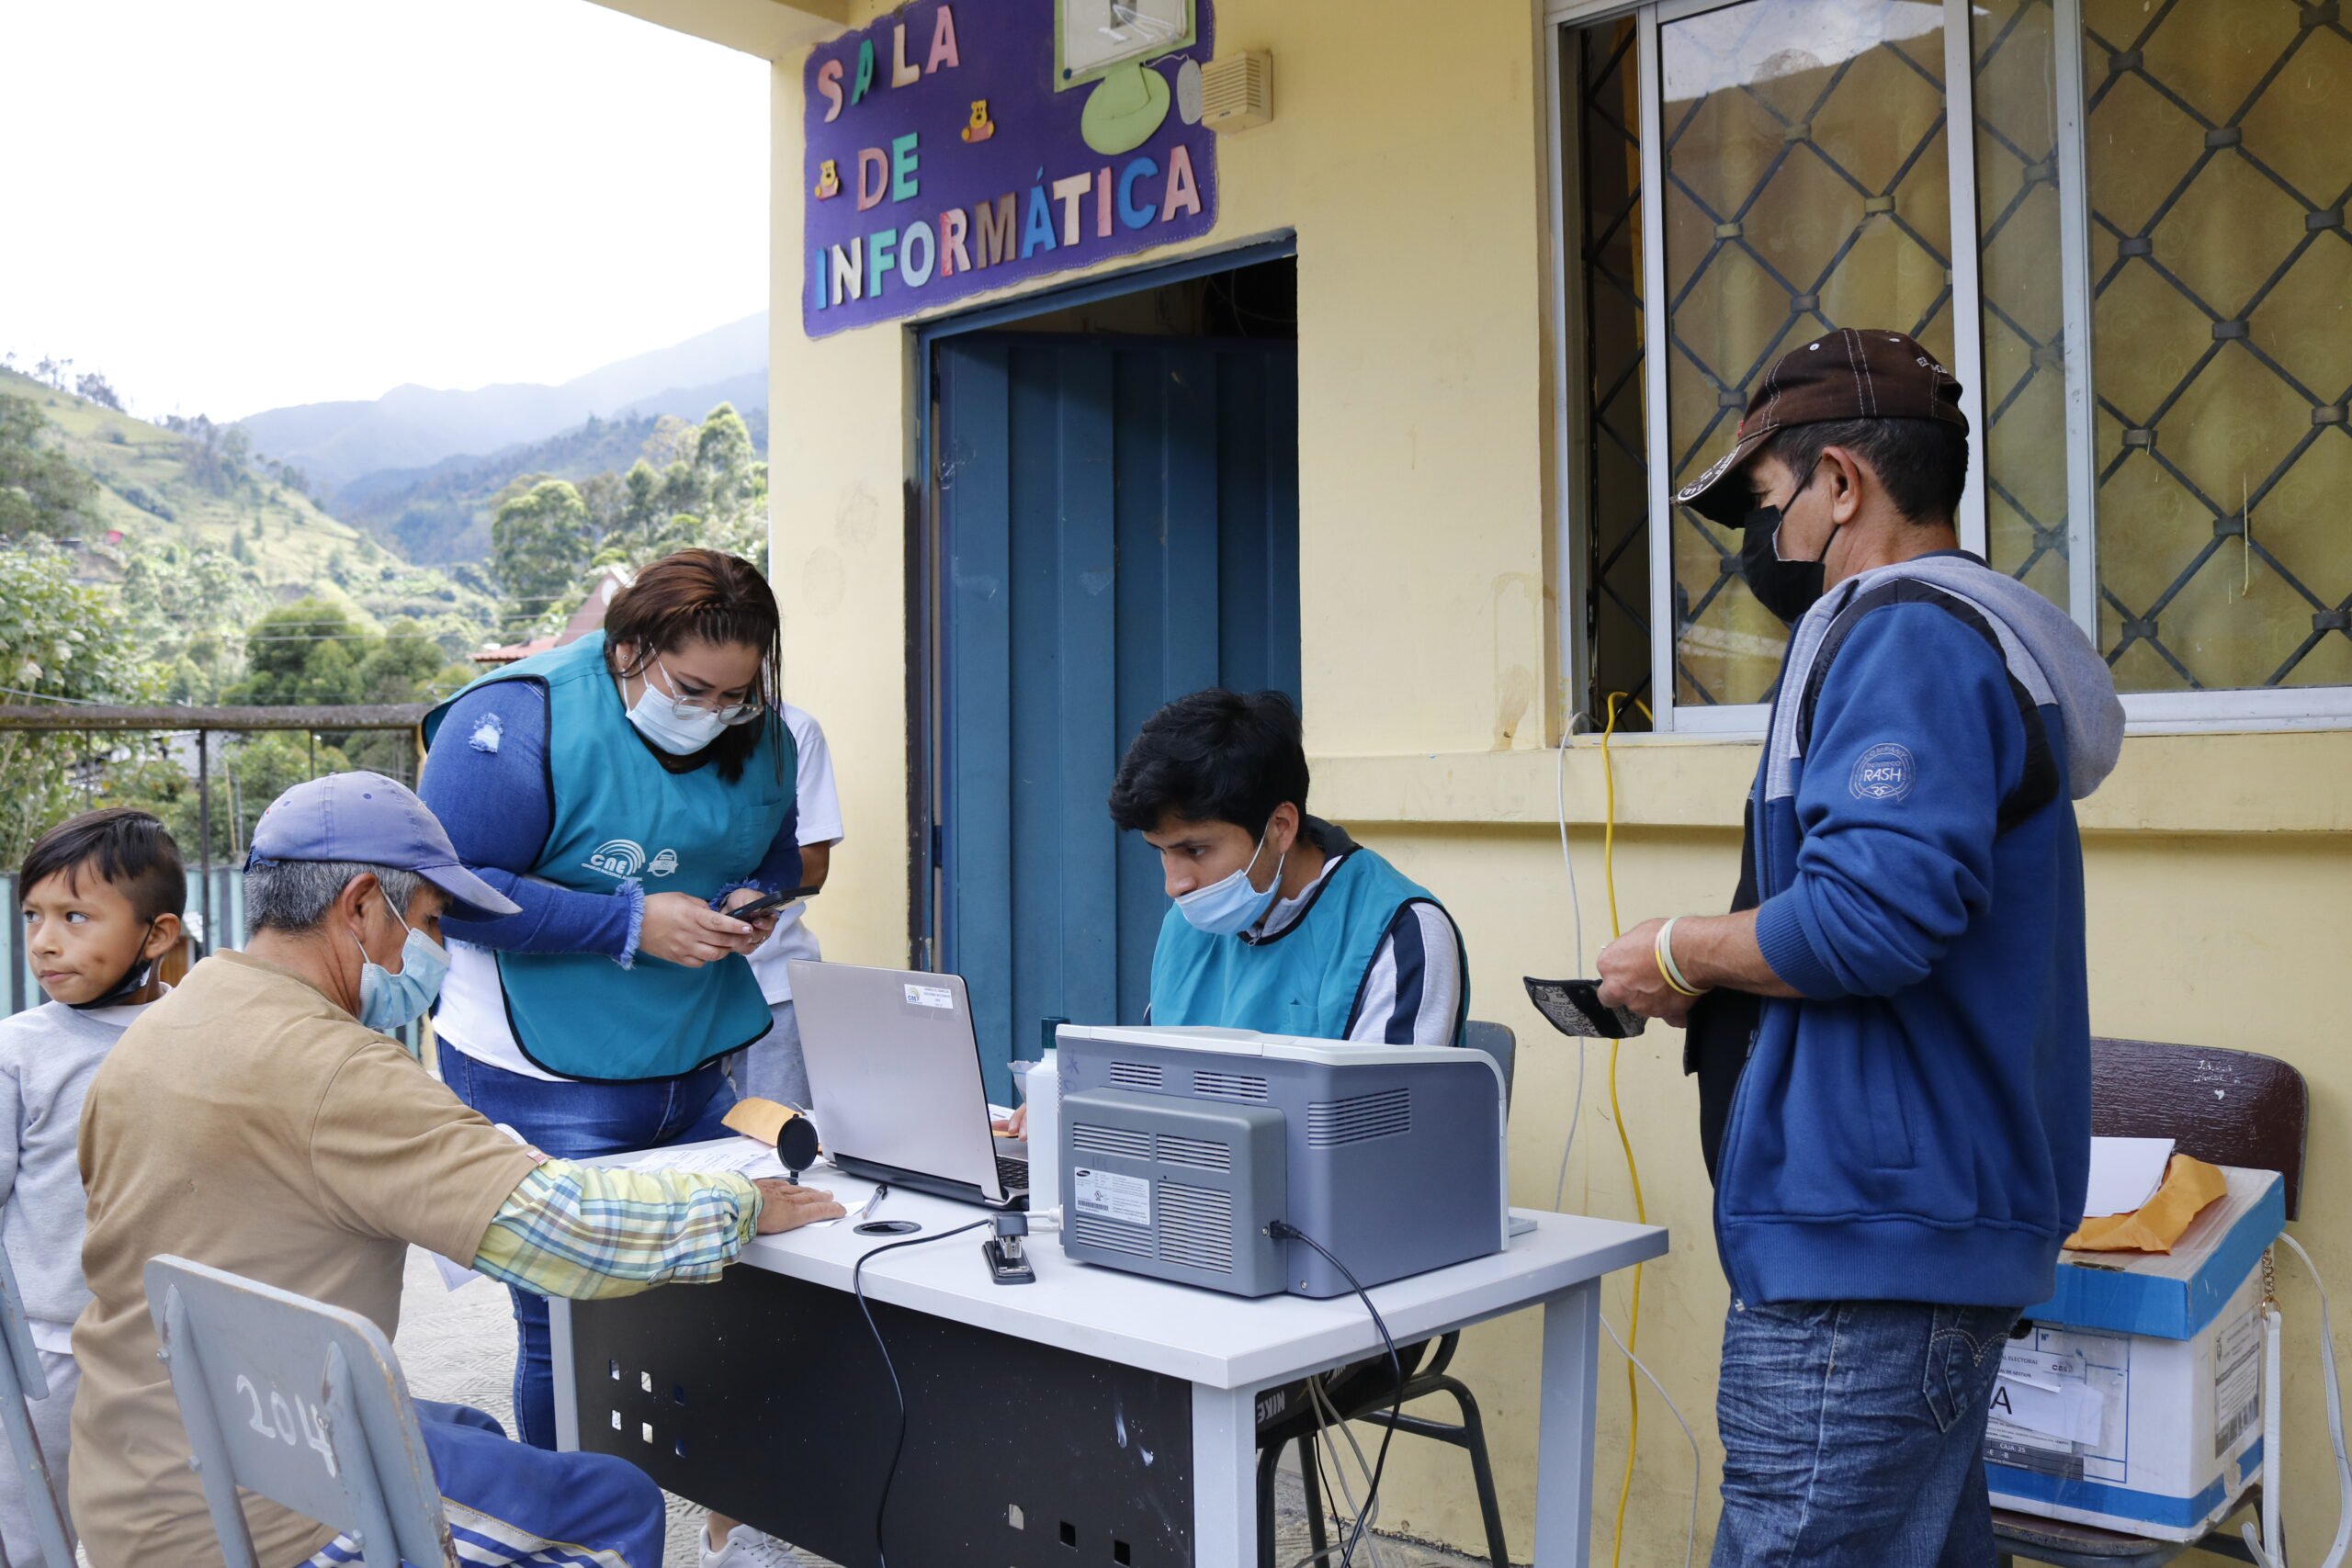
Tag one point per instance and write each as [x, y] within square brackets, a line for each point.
[47, 1055]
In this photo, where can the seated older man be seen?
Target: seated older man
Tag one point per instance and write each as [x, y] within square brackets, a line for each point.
[259, 1121]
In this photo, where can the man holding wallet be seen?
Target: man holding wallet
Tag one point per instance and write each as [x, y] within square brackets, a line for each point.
[1892, 1029]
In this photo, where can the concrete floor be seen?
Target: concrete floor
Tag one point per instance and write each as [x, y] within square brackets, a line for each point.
[459, 1347]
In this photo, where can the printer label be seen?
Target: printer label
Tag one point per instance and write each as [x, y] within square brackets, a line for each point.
[1126, 1198]
[930, 996]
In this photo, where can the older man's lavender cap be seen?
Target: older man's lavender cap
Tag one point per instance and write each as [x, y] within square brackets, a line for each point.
[372, 820]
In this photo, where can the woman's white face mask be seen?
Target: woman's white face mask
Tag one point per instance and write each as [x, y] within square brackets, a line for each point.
[676, 724]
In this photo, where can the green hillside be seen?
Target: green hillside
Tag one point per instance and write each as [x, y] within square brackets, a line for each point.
[443, 513]
[149, 488]
[167, 495]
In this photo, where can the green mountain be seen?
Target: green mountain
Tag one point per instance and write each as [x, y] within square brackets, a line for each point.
[412, 427]
[442, 514]
[169, 498]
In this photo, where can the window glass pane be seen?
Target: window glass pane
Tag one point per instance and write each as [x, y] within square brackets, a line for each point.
[1615, 579]
[2023, 315]
[2220, 149]
[1806, 187]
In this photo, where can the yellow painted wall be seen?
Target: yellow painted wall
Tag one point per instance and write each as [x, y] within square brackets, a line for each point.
[1407, 155]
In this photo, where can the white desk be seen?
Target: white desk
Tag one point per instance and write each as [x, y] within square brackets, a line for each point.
[1227, 1348]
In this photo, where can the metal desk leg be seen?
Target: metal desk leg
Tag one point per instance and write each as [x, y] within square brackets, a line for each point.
[1564, 1446]
[567, 1384]
[1224, 1489]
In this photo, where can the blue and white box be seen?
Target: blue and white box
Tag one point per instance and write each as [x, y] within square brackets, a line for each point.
[2133, 1402]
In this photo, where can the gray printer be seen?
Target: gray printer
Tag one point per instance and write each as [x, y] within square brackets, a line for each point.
[1179, 1148]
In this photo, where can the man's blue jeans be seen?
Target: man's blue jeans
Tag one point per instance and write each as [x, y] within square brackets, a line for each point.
[512, 1505]
[1853, 1434]
[570, 1120]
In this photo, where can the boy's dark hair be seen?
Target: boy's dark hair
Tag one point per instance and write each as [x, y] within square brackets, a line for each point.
[1216, 756]
[129, 849]
[1923, 463]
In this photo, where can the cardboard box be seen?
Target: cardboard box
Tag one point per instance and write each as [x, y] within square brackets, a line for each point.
[2134, 1400]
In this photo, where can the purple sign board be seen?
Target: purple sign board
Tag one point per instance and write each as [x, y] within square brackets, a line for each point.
[958, 146]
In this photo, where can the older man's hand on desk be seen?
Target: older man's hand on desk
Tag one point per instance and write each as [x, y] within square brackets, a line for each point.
[784, 1207]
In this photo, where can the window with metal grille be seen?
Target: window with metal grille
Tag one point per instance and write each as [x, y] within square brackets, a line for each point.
[2136, 262]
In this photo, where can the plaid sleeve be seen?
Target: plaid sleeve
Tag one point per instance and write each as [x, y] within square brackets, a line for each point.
[584, 1232]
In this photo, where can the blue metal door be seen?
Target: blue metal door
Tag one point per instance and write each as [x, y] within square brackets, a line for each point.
[1118, 525]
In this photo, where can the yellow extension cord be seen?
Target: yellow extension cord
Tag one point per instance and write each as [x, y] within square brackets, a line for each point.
[1633, 1169]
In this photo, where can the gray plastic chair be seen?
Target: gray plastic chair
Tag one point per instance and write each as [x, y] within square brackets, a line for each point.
[21, 1379]
[301, 1403]
[1496, 1040]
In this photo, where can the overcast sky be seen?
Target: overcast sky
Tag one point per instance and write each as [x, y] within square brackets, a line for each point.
[237, 204]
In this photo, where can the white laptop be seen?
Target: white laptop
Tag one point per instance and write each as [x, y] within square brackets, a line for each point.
[894, 1068]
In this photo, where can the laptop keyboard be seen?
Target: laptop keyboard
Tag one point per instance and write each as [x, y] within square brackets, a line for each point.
[1011, 1175]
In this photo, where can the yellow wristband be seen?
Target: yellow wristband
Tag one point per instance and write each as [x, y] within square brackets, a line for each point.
[1667, 968]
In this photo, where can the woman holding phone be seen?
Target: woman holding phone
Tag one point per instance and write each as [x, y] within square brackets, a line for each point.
[628, 791]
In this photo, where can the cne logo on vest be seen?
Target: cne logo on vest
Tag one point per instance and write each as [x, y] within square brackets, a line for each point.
[624, 858]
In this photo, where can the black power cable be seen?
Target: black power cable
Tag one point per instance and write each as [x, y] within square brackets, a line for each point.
[1283, 1230]
[898, 1444]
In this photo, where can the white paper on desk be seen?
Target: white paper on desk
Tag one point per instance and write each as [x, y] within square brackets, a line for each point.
[744, 1157]
[2125, 1173]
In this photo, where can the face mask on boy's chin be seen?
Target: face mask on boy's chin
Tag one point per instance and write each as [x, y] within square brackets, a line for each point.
[130, 982]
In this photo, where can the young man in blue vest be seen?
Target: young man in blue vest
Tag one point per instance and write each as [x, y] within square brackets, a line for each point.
[1282, 922]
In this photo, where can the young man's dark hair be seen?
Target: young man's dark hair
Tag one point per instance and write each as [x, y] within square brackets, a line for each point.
[1923, 463]
[1215, 756]
[1215, 782]
[126, 847]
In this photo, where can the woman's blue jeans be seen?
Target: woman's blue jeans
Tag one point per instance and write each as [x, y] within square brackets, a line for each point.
[569, 1119]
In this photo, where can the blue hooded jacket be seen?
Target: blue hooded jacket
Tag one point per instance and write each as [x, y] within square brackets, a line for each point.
[1917, 1126]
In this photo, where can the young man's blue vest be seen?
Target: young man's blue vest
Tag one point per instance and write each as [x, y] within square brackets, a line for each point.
[620, 815]
[1308, 980]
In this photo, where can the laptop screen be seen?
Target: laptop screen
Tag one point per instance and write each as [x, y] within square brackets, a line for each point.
[894, 1067]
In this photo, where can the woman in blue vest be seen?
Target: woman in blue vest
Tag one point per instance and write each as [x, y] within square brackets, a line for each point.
[625, 790]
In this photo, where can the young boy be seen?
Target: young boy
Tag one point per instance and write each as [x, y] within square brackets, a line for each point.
[102, 896]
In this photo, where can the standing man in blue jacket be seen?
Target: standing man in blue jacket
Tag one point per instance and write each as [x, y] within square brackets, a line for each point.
[1890, 1031]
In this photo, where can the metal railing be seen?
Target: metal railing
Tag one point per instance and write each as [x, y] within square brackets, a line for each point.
[216, 887]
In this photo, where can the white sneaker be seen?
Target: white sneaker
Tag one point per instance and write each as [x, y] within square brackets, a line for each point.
[747, 1548]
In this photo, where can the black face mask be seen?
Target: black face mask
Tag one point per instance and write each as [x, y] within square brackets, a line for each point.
[1787, 588]
[133, 979]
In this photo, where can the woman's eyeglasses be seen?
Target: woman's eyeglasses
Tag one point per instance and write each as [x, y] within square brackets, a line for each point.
[726, 713]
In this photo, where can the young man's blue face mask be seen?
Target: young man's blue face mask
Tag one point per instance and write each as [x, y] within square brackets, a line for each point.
[1230, 905]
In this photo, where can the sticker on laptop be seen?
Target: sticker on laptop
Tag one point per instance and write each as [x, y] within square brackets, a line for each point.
[930, 996]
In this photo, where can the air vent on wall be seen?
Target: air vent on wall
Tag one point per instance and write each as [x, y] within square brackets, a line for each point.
[1229, 1086]
[1196, 1227]
[1331, 1122]
[1238, 91]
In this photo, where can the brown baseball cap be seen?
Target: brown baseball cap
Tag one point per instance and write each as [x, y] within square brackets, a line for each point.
[1850, 373]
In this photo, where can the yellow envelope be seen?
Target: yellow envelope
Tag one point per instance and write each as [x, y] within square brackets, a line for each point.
[761, 1118]
[2189, 1185]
